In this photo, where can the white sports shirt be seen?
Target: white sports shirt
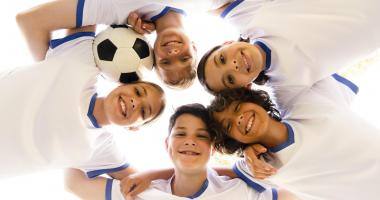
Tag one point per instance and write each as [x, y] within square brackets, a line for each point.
[44, 113]
[331, 153]
[90, 12]
[215, 187]
[308, 40]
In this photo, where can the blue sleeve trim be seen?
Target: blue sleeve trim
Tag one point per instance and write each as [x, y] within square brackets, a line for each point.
[56, 42]
[287, 143]
[95, 173]
[274, 194]
[109, 189]
[200, 191]
[248, 181]
[230, 7]
[79, 19]
[166, 10]
[354, 88]
[90, 113]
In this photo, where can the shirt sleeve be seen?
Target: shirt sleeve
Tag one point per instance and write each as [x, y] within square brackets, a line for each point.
[258, 189]
[107, 157]
[90, 12]
[113, 190]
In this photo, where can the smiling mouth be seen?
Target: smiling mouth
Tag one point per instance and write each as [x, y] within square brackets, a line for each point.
[249, 126]
[246, 62]
[172, 43]
[189, 153]
[123, 106]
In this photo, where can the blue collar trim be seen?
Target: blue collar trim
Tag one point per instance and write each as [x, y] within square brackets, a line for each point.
[354, 88]
[90, 113]
[268, 54]
[230, 7]
[56, 42]
[166, 10]
[248, 181]
[287, 143]
[200, 191]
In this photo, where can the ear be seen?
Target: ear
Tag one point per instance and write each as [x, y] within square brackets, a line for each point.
[166, 143]
[213, 151]
[133, 128]
[228, 42]
[194, 46]
[248, 86]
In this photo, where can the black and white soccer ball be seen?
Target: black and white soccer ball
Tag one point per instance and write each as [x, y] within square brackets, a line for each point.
[121, 53]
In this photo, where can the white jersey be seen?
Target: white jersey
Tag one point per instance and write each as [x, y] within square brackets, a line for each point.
[215, 187]
[43, 124]
[331, 153]
[307, 40]
[90, 12]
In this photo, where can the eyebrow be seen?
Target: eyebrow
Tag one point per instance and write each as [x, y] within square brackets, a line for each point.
[202, 129]
[144, 90]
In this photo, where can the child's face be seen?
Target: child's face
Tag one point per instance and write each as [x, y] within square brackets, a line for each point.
[189, 145]
[245, 122]
[133, 104]
[175, 54]
[233, 65]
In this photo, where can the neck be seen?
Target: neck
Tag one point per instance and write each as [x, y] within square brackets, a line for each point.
[99, 112]
[185, 185]
[169, 20]
[276, 135]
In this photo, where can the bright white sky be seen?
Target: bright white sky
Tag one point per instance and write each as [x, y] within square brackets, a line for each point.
[145, 148]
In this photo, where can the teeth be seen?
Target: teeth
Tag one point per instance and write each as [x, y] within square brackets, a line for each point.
[189, 153]
[245, 62]
[123, 107]
[249, 125]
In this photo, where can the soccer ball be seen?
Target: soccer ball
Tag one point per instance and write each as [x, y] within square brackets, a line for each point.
[120, 53]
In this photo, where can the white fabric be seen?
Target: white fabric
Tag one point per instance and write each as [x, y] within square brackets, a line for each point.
[117, 11]
[335, 154]
[310, 40]
[219, 187]
[42, 122]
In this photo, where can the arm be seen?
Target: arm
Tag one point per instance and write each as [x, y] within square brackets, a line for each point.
[37, 23]
[77, 183]
[136, 183]
[119, 175]
[259, 168]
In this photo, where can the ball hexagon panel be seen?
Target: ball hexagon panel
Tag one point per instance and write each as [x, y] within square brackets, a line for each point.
[127, 60]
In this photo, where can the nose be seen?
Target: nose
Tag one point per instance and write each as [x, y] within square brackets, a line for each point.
[190, 142]
[235, 65]
[134, 103]
[173, 51]
[239, 120]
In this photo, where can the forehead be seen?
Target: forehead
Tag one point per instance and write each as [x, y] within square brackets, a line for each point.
[154, 98]
[189, 121]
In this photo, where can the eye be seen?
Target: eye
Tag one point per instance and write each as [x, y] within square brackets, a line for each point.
[203, 137]
[237, 107]
[143, 113]
[230, 79]
[228, 126]
[186, 58]
[137, 92]
[164, 62]
[179, 134]
[222, 59]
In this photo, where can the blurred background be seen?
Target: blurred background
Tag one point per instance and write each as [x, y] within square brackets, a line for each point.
[145, 148]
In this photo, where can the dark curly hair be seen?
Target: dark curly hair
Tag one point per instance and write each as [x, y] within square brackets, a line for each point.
[223, 142]
[261, 79]
[197, 110]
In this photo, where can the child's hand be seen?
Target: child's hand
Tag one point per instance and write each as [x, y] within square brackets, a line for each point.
[134, 184]
[139, 25]
[259, 168]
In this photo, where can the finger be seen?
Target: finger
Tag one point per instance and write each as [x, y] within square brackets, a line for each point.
[148, 27]
[138, 189]
[258, 149]
[127, 187]
[138, 26]
[132, 19]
